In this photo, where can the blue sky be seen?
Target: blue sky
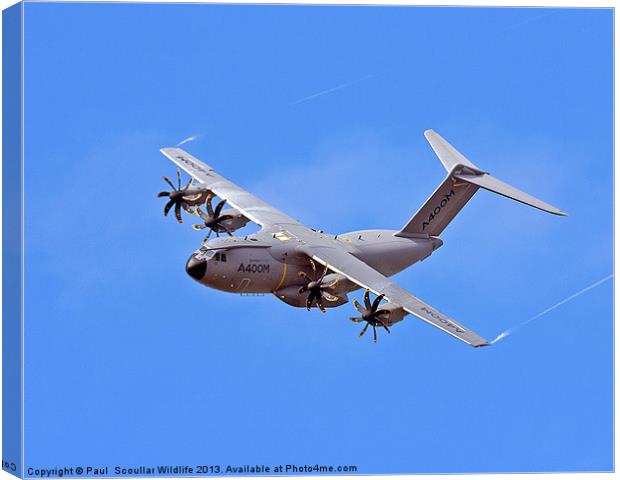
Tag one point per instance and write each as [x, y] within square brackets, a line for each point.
[130, 362]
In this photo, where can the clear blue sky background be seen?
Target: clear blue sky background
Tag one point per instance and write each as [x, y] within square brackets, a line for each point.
[130, 362]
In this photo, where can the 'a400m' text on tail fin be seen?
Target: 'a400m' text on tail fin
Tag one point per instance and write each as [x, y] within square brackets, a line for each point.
[463, 180]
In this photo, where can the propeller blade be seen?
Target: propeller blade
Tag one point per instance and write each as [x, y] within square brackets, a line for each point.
[374, 333]
[356, 319]
[367, 299]
[358, 307]
[177, 212]
[313, 265]
[202, 215]
[302, 290]
[377, 301]
[188, 209]
[314, 297]
[320, 304]
[219, 207]
[168, 207]
[163, 194]
[364, 329]
[384, 326]
[209, 204]
[199, 226]
[191, 179]
[309, 302]
[324, 272]
[179, 177]
[167, 180]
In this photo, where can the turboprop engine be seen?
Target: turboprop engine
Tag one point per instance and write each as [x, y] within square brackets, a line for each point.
[376, 314]
[219, 221]
[323, 290]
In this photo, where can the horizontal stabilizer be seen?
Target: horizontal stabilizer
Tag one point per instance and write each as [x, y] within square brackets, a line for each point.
[492, 184]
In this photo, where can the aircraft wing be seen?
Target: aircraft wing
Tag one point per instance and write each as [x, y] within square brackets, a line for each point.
[252, 207]
[341, 261]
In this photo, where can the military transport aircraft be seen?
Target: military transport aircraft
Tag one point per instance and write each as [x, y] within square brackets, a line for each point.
[308, 268]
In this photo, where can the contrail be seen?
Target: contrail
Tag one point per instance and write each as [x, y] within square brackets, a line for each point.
[188, 139]
[528, 20]
[544, 312]
[330, 90]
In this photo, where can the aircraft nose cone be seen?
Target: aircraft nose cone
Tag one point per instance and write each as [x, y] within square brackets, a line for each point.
[196, 268]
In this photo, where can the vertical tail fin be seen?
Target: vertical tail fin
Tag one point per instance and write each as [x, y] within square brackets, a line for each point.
[463, 181]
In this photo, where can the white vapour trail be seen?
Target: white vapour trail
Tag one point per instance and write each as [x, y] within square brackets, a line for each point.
[188, 139]
[528, 20]
[553, 307]
[330, 90]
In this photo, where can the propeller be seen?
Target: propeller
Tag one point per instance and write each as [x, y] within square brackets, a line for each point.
[316, 288]
[212, 219]
[179, 197]
[371, 314]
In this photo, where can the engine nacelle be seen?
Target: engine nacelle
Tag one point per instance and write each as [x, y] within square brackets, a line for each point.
[396, 313]
[196, 195]
[236, 222]
[341, 284]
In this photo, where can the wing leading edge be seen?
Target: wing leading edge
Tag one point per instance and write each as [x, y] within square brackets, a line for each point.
[252, 207]
[365, 276]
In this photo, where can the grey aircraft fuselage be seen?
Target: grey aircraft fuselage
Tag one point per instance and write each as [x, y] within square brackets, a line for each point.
[268, 262]
[307, 268]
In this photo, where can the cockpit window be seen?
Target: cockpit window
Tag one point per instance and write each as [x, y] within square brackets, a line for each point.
[204, 253]
[220, 257]
[209, 254]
